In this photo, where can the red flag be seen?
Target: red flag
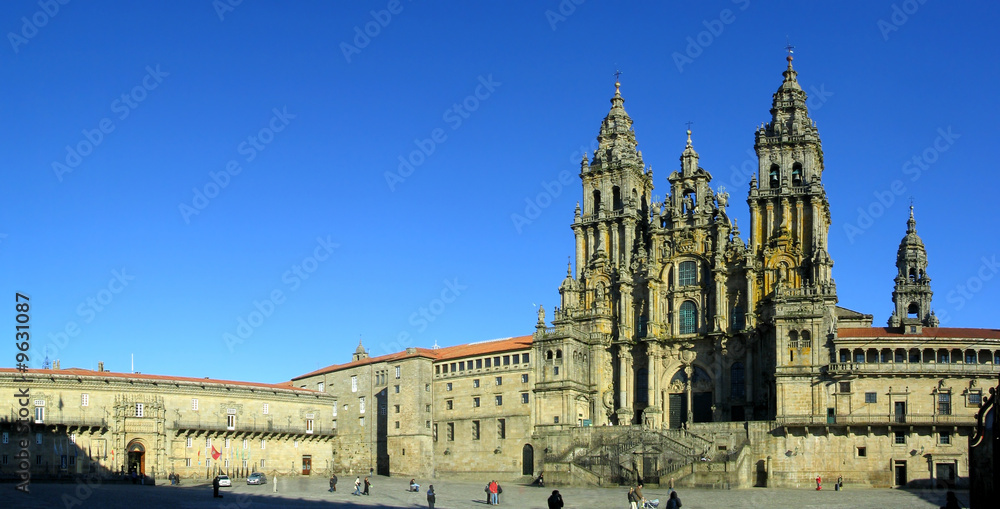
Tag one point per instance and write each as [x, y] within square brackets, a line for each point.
[215, 453]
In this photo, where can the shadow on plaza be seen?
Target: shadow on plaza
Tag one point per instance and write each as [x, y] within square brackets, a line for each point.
[937, 496]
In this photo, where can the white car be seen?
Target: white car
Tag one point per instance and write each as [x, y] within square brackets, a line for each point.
[225, 482]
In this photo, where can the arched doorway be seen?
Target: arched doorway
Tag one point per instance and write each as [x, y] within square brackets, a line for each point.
[136, 457]
[527, 460]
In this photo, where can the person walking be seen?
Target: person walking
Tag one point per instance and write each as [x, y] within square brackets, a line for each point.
[840, 483]
[819, 483]
[555, 500]
[674, 502]
[633, 502]
[357, 486]
[431, 496]
[368, 484]
[215, 488]
[333, 483]
[638, 493]
[951, 501]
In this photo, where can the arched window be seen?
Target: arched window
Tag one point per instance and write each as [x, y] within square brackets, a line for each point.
[558, 354]
[689, 318]
[793, 339]
[797, 174]
[738, 381]
[548, 355]
[687, 274]
[805, 340]
[913, 275]
[616, 198]
[773, 176]
[912, 310]
[597, 202]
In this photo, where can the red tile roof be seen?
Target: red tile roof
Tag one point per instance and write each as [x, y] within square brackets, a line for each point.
[80, 372]
[926, 332]
[438, 354]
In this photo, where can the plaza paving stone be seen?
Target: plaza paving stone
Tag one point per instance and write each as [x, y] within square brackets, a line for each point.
[391, 493]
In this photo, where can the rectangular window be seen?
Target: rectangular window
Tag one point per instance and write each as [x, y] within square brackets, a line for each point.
[479, 364]
[488, 361]
[862, 452]
[475, 402]
[461, 365]
[398, 372]
[524, 378]
[499, 400]
[449, 404]
[138, 409]
[187, 462]
[245, 443]
[501, 428]
[333, 424]
[309, 426]
[187, 443]
[427, 424]
[266, 409]
[451, 432]
[899, 438]
[72, 461]
[227, 442]
[208, 442]
[871, 397]
[230, 422]
[397, 389]
[38, 441]
[397, 424]
[434, 431]
[334, 409]
[85, 399]
[555, 419]
[39, 414]
[427, 387]
[555, 370]
[944, 439]
[845, 386]
[263, 445]
[496, 361]
[6, 437]
[4, 462]
[944, 403]
[506, 360]
[475, 430]
[321, 387]
[454, 367]
[516, 359]
[354, 383]
[72, 438]
[475, 383]
[444, 368]
[975, 398]
[524, 358]
[427, 408]
[524, 397]
[194, 403]
[437, 370]
[396, 408]
[499, 380]
[227, 463]
[262, 465]
[361, 404]
[448, 386]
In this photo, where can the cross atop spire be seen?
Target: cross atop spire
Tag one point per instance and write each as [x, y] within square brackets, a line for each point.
[618, 83]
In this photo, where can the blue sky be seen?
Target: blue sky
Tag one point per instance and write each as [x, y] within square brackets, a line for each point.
[172, 167]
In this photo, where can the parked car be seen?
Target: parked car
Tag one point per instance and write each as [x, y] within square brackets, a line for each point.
[257, 478]
[224, 481]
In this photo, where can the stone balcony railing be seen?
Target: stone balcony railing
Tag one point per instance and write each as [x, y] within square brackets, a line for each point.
[876, 419]
[256, 428]
[914, 368]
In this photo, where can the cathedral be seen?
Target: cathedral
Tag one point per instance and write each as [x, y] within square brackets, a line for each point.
[680, 351]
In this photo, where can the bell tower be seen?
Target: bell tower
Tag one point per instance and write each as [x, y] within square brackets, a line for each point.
[912, 293]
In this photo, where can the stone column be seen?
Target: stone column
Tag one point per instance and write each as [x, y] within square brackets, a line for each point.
[799, 225]
[688, 389]
[580, 256]
[748, 373]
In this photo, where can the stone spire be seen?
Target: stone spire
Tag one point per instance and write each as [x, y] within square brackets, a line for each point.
[912, 292]
[616, 139]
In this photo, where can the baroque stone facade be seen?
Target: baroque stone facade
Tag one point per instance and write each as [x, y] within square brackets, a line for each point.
[679, 350]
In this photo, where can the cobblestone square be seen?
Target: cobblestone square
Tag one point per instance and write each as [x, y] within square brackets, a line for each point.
[392, 493]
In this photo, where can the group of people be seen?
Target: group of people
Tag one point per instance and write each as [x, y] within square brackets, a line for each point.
[493, 491]
[637, 499]
[357, 486]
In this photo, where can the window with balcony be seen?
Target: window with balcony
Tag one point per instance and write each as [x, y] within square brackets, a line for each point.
[944, 403]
